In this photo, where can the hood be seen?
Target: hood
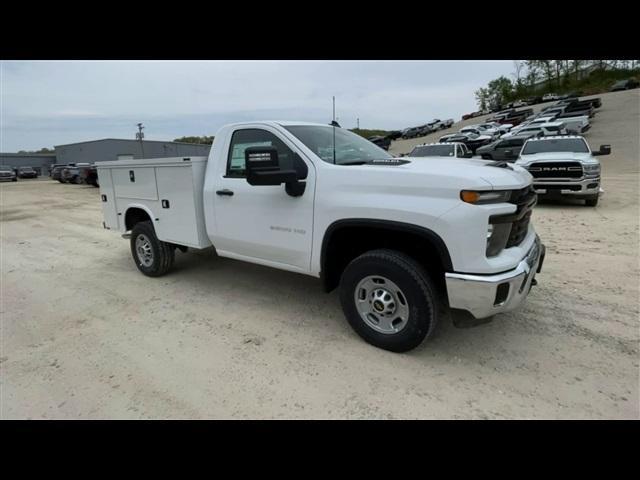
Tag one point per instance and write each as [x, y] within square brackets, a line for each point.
[458, 173]
[556, 157]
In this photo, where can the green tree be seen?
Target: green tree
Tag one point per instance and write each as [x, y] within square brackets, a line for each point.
[193, 139]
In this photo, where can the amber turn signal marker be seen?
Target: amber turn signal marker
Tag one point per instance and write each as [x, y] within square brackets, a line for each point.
[469, 196]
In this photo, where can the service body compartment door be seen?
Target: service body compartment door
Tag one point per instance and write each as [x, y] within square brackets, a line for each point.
[135, 182]
[177, 216]
[108, 199]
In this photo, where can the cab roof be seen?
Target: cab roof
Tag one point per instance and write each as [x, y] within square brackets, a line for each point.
[554, 137]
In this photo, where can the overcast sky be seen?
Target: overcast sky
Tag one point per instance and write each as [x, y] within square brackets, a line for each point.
[51, 103]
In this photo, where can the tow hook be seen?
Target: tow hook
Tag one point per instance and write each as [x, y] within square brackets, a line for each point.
[126, 236]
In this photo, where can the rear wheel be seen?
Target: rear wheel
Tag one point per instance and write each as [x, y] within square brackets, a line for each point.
[592, 202]
[389, 300]
[77, 180]
[153, 257]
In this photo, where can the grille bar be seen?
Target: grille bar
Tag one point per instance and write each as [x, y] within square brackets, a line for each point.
[556, 170]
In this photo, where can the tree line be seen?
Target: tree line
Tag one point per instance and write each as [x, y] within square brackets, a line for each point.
[536, 77]
[194, 139]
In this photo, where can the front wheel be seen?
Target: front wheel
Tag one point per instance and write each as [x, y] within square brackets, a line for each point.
[592, 202]
[389, 300]
[153, 257]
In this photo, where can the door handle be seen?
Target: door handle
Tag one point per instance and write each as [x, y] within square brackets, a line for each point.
[226, 191]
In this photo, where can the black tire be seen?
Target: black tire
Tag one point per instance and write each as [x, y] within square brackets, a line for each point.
[163, 253]
[77, 180]
[416, 287]
[14, 179]
[592, 202]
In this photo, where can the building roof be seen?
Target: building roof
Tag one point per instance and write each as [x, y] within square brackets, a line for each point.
[8, 154]
[136, 141]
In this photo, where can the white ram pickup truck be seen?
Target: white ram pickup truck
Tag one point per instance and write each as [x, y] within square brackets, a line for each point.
[564, 166]
[400, 237]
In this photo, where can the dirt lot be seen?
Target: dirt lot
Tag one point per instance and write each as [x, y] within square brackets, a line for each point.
[85, 335]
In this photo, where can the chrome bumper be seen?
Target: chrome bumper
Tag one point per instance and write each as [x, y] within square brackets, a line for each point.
[584, 186]
[478, 294]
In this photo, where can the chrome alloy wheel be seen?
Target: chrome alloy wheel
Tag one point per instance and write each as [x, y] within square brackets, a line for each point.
[381, 304]
[144, 250]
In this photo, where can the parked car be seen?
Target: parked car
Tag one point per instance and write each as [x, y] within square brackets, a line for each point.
[435, 124]
[453, 149]
[425, 129]
[505, 148]
[479, 130]
[549, 97]
[625, 85]
[27, 172]
[74, 173]
[412, 132]
[563, 166]
[7, 174]
[394, 134]
[54, 166]
[91, 176]
[382, 142]
[448, 123]
[574, 94]
[399, 237]
[502, 128]
[471, 140]
[56, 172]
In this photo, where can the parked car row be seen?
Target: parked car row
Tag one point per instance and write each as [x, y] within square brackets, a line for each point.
[548, 144]
[77, 173]
[12, 174]
[422, 130]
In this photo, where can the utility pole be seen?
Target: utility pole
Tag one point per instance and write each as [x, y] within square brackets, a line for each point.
[358, 123]
[140, 136]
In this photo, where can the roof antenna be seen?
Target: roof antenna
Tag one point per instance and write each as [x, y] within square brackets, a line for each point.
[334, 123]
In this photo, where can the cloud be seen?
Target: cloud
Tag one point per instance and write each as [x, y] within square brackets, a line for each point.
[47, 103]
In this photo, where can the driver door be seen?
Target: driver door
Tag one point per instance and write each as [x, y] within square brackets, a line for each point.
[263, 224]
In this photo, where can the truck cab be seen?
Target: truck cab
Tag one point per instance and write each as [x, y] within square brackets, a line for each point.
[401, 238]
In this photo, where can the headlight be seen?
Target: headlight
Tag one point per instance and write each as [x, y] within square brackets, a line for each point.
[591, 168]
[481, 198]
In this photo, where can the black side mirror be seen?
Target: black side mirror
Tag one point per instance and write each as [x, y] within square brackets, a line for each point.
[468, 155]
[263, 168]
[604, 150]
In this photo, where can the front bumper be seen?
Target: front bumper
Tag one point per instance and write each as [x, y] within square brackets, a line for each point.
[577, 187]
[485, 295]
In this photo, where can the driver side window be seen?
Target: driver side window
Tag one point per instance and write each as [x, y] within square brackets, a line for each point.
[253, 137]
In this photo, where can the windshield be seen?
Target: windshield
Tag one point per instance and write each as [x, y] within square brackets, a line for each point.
[433, 151]
[349, 147]
[25, 169]
[556, 145]
[5, 169]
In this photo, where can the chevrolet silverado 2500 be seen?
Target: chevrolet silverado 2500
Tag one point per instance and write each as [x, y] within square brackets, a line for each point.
[402, 238]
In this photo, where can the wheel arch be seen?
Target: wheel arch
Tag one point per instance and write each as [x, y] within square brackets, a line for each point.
[136, 213]
[358, 235]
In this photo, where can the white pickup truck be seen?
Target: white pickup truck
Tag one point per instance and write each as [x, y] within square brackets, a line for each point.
[401, 237]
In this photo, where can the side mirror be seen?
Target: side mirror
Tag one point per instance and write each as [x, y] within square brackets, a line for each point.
[263, 168]
[468, 155]
[604, 150]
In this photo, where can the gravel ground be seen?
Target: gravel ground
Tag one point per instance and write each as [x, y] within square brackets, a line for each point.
[84, 335]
